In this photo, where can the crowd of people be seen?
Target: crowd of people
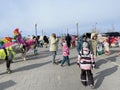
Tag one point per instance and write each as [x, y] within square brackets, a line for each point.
[88, 49]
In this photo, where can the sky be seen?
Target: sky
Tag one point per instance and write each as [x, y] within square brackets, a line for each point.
[56, 16]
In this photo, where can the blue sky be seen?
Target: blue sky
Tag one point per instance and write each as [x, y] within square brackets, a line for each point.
[58, 15]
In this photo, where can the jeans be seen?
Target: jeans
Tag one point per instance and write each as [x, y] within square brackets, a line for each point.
[53, 53]
[66, 58]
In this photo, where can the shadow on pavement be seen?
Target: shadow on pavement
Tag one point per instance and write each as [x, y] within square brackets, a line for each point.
[35, 57]
[102, 74]
[29, 67]
[99, 63]
[58, 61]
[3, 73]
[40, 55]
[105, 60]
[114, 51]
[7, 84]
[73, 60]
[112, 59]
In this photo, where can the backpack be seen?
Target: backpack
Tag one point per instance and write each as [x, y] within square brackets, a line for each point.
[100, 49]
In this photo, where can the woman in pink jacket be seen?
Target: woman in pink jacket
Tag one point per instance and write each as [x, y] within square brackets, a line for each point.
[65, 51]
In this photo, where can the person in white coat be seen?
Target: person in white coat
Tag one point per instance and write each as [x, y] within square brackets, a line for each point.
[53, 42]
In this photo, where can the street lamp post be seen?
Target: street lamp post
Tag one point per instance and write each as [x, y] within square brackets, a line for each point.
[42, 32]
[35, 49]
[95, 27]
[77, 28]
[36, 29]
[67, 30]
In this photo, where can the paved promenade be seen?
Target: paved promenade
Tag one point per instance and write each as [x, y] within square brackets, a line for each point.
[38, 73]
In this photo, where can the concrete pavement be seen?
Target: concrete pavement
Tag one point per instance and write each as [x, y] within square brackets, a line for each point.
[38, 73]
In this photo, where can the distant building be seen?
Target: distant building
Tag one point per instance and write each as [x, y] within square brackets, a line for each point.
[111, 34]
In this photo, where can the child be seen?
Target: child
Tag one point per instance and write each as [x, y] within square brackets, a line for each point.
[65, 51]
[106, 45]
[86, 63]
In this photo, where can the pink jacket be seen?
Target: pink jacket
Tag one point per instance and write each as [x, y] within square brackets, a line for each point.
[65, 49]
[86, 61]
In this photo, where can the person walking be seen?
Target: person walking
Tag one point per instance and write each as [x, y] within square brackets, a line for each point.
[73, 41]
[93, 44]
[46, 41]
[86, 63]
[68, 40]
[106, 45]
[66, 52]
[53, 42]
[81, 41]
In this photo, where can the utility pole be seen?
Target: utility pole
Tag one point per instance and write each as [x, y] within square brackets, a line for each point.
[113, 28]
[67, 30]
[42, 32]
[35, 49]
[77, 28]
[95, 27]
[36, 29]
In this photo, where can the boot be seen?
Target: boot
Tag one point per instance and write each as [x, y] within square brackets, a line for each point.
[84, 83]
[35, 52]
[92, 86]
[9, 71]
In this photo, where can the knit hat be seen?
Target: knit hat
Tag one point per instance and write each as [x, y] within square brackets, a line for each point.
[85, 45]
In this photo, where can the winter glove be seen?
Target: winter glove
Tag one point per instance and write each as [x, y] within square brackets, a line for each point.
[78, 64]
[93, 65]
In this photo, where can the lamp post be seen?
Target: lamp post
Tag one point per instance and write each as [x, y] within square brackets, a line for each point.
[67, 30]
[77, 28]
[95, 27]
[113, 28]
[36, 29]
[35, 49]
[42, 32]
